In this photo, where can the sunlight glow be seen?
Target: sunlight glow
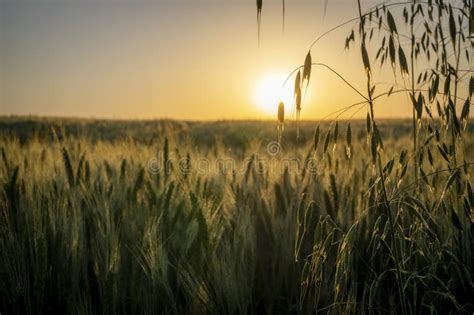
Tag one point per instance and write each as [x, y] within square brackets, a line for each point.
[269, 92]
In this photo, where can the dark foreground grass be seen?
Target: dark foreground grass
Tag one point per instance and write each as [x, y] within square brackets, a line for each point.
[189, 217]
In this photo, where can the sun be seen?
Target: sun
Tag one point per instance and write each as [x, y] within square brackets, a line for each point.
[269, 91]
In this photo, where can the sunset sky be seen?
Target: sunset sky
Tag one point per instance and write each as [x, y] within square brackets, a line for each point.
[181, 59]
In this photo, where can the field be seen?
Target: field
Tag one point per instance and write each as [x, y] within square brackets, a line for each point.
[216, 217]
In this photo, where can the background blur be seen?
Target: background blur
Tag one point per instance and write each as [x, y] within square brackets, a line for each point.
[180, 59]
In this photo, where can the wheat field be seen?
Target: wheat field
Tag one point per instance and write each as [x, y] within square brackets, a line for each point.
[189, 218]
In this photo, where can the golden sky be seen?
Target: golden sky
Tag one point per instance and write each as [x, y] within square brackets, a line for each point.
[181, 59]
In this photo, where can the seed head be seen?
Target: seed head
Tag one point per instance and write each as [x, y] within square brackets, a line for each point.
[281, 113]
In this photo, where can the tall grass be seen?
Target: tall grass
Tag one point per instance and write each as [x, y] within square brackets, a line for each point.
[382, 223]
[86, 227]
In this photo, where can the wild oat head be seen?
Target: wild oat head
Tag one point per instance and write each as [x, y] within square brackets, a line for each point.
[281, 113]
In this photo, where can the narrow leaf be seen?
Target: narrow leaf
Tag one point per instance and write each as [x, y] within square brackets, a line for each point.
[349, 135]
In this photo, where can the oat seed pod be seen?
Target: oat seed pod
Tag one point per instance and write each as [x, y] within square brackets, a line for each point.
[281, 113]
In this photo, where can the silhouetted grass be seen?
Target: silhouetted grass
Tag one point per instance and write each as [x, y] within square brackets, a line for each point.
[86, 227]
